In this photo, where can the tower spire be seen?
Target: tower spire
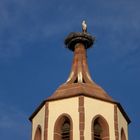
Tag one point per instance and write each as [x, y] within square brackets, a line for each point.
[79, 81]
[79, 43]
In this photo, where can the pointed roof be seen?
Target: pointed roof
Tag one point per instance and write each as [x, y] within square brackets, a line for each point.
[79, 81]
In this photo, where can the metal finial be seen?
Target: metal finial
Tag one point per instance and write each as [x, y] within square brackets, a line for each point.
[84, 26]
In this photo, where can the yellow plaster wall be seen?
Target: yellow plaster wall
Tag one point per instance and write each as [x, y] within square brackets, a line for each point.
[122, 123]
[95, 107]
[38, 120]
[68, 106]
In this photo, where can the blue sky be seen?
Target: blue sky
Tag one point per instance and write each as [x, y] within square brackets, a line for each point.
[34, 61]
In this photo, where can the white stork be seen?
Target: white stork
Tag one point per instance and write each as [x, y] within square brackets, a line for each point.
[84, 26]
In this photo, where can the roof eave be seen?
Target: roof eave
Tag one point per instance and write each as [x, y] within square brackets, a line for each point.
[82, 94]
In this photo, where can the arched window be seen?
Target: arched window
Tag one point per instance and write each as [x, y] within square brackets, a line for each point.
[123, 137]
[100, 128]
[97, 130]
[38, 133]
[63, 128]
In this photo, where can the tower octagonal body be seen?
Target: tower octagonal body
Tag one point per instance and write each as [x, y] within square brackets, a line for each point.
[79, 109]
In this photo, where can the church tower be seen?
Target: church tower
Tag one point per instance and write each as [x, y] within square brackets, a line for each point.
[79, 109]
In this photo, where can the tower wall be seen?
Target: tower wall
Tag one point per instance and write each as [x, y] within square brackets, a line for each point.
[82, 111]
[60, 107]
[122, 123]
[94, 108]
[38, 120]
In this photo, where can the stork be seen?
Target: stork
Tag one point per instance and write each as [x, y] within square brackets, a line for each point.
[84, 26]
